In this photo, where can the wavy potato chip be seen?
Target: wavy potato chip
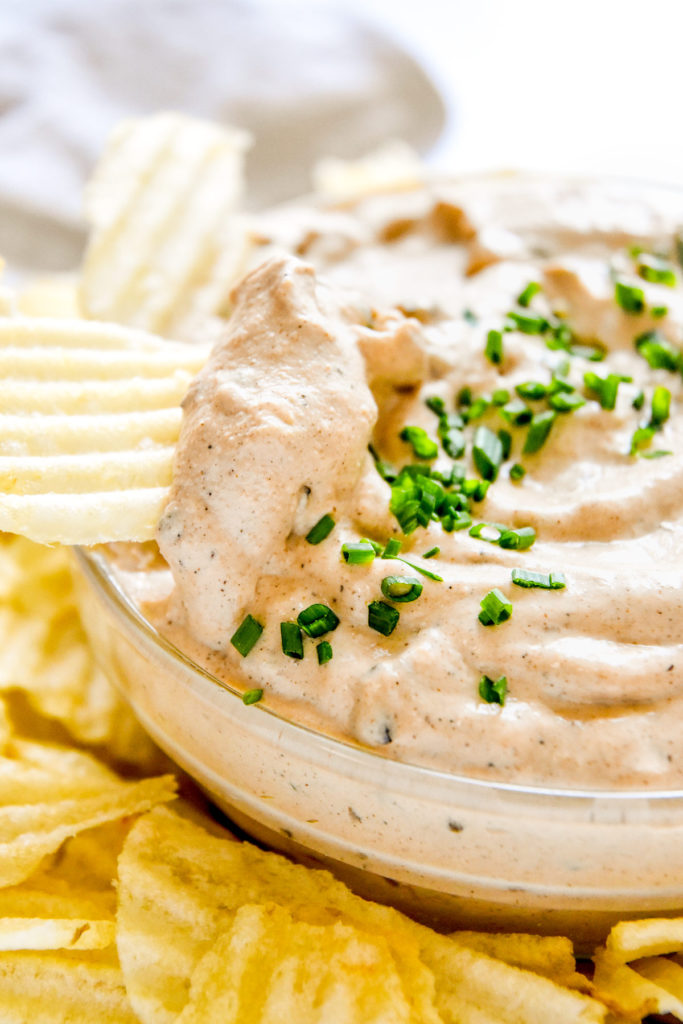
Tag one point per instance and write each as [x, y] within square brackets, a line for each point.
[267, 968]
[179, 888]
[65, 987]
[630, 940]
[73, 471]
[166, 242]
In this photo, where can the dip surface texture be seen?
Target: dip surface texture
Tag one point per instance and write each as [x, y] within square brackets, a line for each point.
[353, 318]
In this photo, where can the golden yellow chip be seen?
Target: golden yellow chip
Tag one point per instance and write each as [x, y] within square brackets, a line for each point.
[663, 972]
[268, 968]
[630, 940]
[628, 992]
[73, 472]
[46, 667]
[54, 933]
[60, 987]
[552, 956]
[166, 242]
[49, 296]
[179, 888]
[48, 794]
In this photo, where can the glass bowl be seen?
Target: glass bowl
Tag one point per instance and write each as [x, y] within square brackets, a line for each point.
[451, 851]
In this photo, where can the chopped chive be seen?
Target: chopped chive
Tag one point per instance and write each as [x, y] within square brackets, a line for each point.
[629, 297]
[658, 454]
[385, 469]
[392, 548]
[543, 580]
[421, 443]
[539, 428]
[518, 540]
[317, 619]
[292, 642]
[475, 489]
[641, 439]
[436, 404]
[656, 270]
[360, 552]
[451, 436]
[517, 471]
[594, 353]
[605, 387]
[560, 338]
[639, 401]
[493, 692]
[560, 385]
[382, 617]
[516, 413]
[505, 438]
[432, 553]
[322, 529]
[401, 588]
[490, 532]
[661, 406]
[477, 408]
[246, 635]
[464, 397]
[494, 347]
[423, 572]
[324, 651]
[487, 452]
[495, 608]
[528, 323]
[565, 402]
[525, 297]
[252, 696]
[470, 317]
[658, 351]
[659, 311]
[500, 396]
[532, 390]
[453, 521]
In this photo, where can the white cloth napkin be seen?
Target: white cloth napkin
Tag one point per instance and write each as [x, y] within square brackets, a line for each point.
[306, 81]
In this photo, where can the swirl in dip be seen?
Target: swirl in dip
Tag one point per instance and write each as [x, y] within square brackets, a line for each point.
[414, 309]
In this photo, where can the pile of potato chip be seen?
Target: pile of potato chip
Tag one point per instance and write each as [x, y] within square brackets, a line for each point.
[120, 902]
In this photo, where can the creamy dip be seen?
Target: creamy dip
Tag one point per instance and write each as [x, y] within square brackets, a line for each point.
[350, 321]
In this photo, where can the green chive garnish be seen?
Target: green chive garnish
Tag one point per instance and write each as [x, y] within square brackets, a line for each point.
[292, 643]
[470, 317]
[525, 297]
[518, 540]
[423, 572]
[450, 434]
[392, 548]
[494, 347]
[656, 270]
[566, 402]
[661, 405]
[659, 311]
[543, 580]
[528, 323]
[490, 532]
[432, 553]
[658, 454]
[500, 396]
[382, 617]
[487, 452]
[639, 401]
[324, 650]
[539, 428]
[246, 635]
[493, 692]
[532, 390]
[641, 438]
[317, 619]
[401, 588]
[322, 529]
[360, 552]
[252, 696]
[629, 297]
[517, 413]
[421, 443]
[658, 351]
[605, 387]
[464, 397]
[517, 471]
[495, 608]
[476, 408]
[436, 404]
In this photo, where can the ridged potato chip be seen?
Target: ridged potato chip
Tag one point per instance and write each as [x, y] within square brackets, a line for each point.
[65, 987]
[73, 471]
[268, 968]
[179, 888]
[166, 242]
[48, 794]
